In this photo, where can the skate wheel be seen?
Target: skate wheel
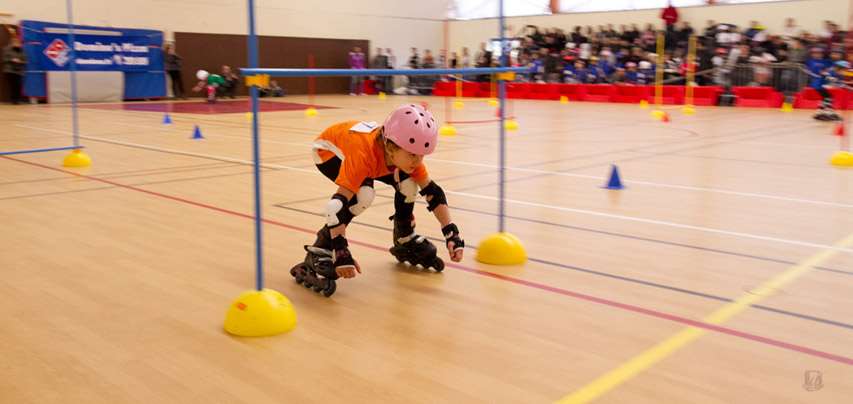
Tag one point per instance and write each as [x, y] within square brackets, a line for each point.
[438, 265]
[330, 288]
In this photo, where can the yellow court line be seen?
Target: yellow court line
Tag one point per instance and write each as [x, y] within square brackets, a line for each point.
[664, 349]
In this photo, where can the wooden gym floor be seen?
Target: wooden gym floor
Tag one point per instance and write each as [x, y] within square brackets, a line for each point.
[723, 273]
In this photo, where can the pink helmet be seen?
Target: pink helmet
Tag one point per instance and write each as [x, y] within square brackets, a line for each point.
[413, 128]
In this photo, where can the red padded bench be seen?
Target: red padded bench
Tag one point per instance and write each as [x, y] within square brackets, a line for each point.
[598, 92]
[627, 93]
[444, 88]
[810, 98]
[762, 97]
[517, 90]
[706, 96]
[574, 92]
[544, 91]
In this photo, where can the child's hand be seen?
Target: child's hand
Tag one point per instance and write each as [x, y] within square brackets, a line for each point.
[455, 244]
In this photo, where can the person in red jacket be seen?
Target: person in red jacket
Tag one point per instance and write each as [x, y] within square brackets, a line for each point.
[669, 16]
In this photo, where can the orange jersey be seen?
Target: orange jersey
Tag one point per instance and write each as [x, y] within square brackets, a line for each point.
[362, 157]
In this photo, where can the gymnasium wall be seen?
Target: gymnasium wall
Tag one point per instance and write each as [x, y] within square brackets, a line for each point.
[211, 51]
[388, 24]
[809, 15]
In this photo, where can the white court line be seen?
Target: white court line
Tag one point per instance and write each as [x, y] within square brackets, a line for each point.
[655, 184]
[477, 196]
[658, 222]
[563, 174]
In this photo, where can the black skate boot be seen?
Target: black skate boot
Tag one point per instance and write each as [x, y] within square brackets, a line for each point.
[413, 248]
[317, 271]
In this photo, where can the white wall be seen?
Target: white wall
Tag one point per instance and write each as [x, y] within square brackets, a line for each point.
[388, 24]
[809, 15]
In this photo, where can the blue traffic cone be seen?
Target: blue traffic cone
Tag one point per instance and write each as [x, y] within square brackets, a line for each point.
[615, 182]
[167, 119]
[197, 133]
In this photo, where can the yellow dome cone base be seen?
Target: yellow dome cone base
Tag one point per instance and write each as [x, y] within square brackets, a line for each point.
[842, 159]
[260, 314]
[501, 249]
[381, 96]
[77, 159]
[311, 111]
[688, 110]
[492, 102]
[447, 130]
[657, 114]
[644, 104]
[787, 107]
[249, 116]
[458, 104]
[511, 124]
[564, 99]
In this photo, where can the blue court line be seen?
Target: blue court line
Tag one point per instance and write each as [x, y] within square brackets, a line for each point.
[622, 278]
[50, 149]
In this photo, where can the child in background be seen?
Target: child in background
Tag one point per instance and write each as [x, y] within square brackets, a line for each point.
[821, 72]
[209, 82]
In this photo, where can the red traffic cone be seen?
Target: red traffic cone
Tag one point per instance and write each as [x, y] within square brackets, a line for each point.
[839, 129]
[664, 117]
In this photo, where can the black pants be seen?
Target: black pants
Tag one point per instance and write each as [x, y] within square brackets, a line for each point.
[13, 81]
[827, 97]
[177, 83]
[402, 210]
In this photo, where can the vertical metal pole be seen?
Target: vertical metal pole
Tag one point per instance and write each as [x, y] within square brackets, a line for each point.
[256, 153]
[73, 71]
[501, 108]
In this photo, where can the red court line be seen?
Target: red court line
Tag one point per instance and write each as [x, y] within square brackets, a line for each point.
[611, 303]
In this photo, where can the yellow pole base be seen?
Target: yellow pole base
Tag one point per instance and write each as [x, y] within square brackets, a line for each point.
[787, 107]
[657, 114]
[501, 249]
[564, 99]
[458, 104]
[260, 314]
[382, 96]
[511, 124]
[311, 111]
[492, 102]
[842, 159]
[77, 159]
[644, 104]
[447, 130]
[688, 110]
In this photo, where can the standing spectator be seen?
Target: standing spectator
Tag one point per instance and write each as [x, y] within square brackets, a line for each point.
[791, 31]
[173, 64]
[380, 61]
[669, 15]
[466, 58]
[392, 60]
[356, 61]
[429, 61]
[414, 59]
[392, 64]
[14, 66]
